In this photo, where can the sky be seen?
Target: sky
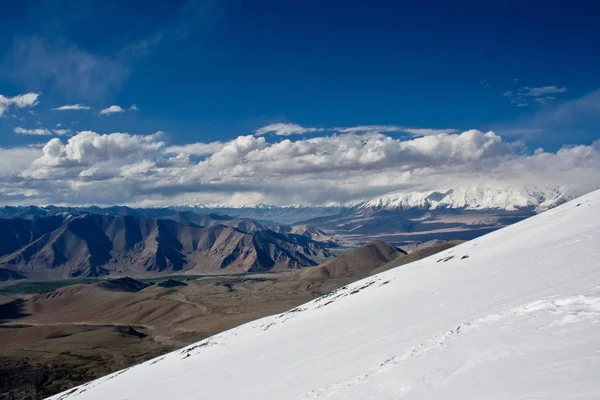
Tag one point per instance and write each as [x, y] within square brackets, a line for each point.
[293, 102]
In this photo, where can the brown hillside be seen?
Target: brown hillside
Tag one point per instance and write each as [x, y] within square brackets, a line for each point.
[356, 263]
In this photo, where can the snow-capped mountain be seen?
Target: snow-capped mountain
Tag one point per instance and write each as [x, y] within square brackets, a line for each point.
[475, 197]
[481, 197]
[512, 314]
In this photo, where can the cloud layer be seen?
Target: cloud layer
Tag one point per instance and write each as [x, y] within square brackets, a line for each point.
[40, 131]
[288, 129]
[122, 168]
[112, 110]
[20, 101]
[35, 131]
[72, 107]
[285, 129]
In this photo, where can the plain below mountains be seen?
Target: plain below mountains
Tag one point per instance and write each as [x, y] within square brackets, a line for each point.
[67, 245]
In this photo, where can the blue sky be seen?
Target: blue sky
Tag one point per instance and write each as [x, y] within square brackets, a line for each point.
[210, 71]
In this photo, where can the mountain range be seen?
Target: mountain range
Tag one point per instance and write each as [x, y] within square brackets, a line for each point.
[483, 197]
[61, 242]
[474, 197]
[83, 244]
[404, 218]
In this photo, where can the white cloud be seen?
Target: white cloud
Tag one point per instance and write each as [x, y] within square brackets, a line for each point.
[371, 128]
[288, 129]
[69, 107]
[542, 91]
[112, 110]
[285, 129]
[20, 101]
[36, 131]
[40, 131]
[428, 131]
[15, 160]
[359, 151]
[234, 151]
[90, 149]
[143, 167]
[196, 149]
[117, 109]
[137, 169]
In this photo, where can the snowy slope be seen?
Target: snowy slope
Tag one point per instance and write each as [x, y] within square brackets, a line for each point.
[511, 315]
[477, 197]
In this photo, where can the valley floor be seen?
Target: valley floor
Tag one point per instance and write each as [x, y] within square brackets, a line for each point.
[77, 333]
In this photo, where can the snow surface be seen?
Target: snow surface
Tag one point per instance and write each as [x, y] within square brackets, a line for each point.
[514, 314]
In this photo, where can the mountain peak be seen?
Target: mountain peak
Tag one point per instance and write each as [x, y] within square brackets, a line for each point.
[476, 197]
